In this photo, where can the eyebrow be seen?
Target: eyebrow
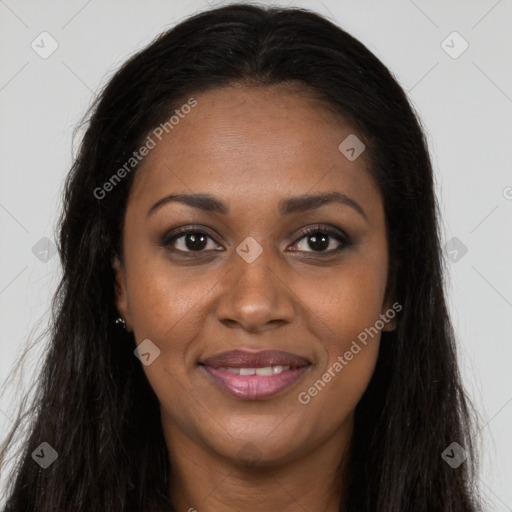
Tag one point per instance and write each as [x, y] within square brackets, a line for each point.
[286, 206]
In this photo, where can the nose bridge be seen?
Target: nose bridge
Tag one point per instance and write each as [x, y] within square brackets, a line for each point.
[255, 295]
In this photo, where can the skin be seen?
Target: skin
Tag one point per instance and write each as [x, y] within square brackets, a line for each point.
[250, 148]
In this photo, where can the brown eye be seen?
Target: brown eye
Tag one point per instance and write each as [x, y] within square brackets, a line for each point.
[189, 240]
[320, 239]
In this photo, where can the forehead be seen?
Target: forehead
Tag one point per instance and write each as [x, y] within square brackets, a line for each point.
[247, 143]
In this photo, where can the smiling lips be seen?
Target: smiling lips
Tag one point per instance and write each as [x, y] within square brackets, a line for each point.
[255, 375]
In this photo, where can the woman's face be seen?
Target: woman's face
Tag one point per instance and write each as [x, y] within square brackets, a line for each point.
[249, 279]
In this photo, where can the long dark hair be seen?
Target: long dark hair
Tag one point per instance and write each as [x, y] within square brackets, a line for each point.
[94, 405]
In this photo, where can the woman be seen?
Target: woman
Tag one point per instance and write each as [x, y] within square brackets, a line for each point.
[251, 314]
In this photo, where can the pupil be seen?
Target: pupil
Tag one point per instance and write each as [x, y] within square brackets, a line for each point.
[195, 242]
[319, 242]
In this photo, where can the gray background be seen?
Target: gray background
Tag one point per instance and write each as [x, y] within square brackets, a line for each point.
[465, 104]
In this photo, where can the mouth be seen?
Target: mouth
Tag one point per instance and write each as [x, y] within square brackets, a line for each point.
[255, 375]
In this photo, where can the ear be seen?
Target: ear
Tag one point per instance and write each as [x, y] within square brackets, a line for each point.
[388, 315]
[390, 308]
[122, 302]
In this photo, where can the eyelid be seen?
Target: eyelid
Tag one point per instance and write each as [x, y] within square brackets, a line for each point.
[327, 229]
[330, 231]
[175, 234]
[324, 228]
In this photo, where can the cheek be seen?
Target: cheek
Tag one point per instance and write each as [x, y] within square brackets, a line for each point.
[347, 302]
[345, 310]
[168, 309]
[165, 300]
[332, 396]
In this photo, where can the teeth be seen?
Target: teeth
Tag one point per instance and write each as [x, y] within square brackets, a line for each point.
[266, 371]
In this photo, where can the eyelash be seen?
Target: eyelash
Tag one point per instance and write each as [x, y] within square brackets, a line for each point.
[338, 235]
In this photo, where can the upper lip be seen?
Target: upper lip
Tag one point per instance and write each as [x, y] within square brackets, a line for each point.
[246, 359]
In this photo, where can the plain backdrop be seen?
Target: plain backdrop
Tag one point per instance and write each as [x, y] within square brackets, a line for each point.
[462, 95]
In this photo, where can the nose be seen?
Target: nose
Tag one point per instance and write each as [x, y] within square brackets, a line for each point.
[255, 296]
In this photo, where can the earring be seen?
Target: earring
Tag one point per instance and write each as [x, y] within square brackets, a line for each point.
[120, 321]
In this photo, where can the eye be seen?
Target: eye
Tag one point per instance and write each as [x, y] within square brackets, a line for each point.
[320, 238]
[189, 239]
[195, 240]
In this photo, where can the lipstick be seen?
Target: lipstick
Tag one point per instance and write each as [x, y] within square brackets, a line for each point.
[255, 375]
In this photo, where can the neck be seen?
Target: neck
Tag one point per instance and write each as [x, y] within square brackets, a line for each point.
[204, 481]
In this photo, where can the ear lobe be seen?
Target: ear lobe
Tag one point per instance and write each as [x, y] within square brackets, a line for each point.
[389, 323]
[121, 293]
[389, 315]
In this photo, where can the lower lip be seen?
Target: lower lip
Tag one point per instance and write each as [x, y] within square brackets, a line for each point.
[255, 387]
